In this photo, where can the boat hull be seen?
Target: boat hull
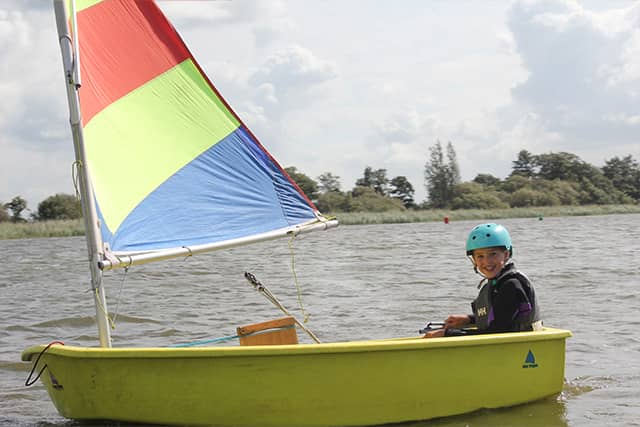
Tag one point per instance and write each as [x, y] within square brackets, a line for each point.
[352, 383]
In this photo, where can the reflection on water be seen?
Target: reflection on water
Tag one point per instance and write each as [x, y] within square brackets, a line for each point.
[549, 412]
[357, 282]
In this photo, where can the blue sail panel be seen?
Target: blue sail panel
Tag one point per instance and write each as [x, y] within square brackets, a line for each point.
[232, 190]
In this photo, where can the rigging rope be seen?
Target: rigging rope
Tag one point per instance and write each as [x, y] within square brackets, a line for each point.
[74, 177]
[115, 314]
[201, 342]
[28, 381]
[267, 294]
[104, 311]
[295, 280]
[226, 338]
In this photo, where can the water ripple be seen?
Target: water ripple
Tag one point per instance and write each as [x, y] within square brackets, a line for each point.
[357, 282]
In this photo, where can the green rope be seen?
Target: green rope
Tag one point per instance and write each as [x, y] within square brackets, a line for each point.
[201, 342]
[295, 280]
[106, 314]
[230, 337]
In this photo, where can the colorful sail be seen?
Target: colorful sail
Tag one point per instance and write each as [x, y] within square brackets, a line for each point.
[171, 164]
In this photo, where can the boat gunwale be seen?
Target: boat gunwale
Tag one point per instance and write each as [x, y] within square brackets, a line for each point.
[389, 344]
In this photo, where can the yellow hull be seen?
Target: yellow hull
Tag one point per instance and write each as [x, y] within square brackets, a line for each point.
[338, 384]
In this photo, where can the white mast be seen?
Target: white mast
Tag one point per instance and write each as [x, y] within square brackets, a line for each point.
[71, 66]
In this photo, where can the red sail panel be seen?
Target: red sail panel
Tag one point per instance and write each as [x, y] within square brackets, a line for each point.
[121, 51]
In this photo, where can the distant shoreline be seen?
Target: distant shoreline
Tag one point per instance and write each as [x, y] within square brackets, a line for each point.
[393, 217]
[68, 228]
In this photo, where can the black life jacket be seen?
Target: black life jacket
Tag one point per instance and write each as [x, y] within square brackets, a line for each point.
[482, 305]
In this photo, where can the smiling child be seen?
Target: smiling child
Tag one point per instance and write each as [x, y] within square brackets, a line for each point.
[507, 301]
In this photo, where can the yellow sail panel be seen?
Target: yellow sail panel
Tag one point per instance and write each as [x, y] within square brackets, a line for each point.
[81, 4]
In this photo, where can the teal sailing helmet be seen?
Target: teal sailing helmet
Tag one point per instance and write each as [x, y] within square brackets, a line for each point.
[489, 235]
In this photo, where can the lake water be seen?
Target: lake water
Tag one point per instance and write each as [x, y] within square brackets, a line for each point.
[357, 282]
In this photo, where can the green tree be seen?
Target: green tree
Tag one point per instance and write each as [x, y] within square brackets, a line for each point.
[59, 206]
[529, 197]
[16, 206]
[567, 192]
[366, 199]
[624, 174]
[335, 201]
[513, 183]
[329, 182]
[375, 179]
[600, 188]
[402, 189]
[306, 184]
[486, 179]
[471, 195]
[595, 192]
[366, 180]
[565, 166]
[4, 215]
[440, 175]
[584, 183]
[452, 165]
[381, 182]
[525, 165]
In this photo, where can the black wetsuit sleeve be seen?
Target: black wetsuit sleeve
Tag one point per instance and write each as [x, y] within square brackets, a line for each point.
[508, 302]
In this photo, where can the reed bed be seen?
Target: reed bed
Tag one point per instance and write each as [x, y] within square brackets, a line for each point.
[24, 230]
[390, 217]
[66, 228]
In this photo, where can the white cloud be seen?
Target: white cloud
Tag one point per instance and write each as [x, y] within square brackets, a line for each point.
[409, 127]
[625, 119]
[265, 21]
[337, 86]
[289, 81]
[294, 69]
[582, 70]
[34, 133]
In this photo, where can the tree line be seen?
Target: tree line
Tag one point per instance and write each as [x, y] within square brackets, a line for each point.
[549, 179]
[56, 207]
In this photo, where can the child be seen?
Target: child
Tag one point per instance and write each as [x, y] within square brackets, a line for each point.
[507, 301]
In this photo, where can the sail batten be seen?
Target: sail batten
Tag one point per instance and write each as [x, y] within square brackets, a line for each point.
[171, 163]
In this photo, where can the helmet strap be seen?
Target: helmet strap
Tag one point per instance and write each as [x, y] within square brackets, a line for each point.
[475, 269]
[475, 266]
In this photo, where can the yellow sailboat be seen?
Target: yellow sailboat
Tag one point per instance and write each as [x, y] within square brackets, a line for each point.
[167, 169]
[337, 384]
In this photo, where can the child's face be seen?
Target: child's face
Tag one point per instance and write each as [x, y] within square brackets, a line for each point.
[490, 261]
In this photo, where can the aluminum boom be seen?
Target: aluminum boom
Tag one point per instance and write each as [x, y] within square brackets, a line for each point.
[121, 260]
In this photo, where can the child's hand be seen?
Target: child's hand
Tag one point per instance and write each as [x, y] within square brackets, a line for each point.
[456, 321]
[436, 333]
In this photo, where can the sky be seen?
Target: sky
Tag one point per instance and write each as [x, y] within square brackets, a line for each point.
[337, 86]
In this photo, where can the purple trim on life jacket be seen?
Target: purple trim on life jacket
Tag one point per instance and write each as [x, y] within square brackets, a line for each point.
[524, 309]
